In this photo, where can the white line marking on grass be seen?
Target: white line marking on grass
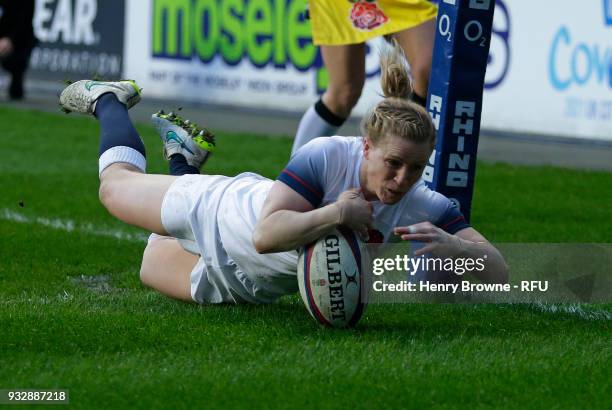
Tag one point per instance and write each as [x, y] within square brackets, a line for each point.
[68, 225]
[575, 309]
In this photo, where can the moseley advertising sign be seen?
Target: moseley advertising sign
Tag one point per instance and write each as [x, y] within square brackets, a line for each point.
[549, 68]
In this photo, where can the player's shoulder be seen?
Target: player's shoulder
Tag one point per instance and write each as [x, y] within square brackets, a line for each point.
[334, 145]
[424, 200]
[425, 204]
[320, 166]
[420, 191]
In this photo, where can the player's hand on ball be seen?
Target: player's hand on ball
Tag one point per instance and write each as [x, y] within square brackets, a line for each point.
[355, 212]
[437, 241]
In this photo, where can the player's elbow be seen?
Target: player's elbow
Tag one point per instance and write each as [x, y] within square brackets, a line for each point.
[260, 241]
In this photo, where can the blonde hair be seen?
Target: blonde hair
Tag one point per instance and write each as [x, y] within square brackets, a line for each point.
[395, 114]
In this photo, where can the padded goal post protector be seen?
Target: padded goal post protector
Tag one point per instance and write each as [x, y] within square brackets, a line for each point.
[454, 101]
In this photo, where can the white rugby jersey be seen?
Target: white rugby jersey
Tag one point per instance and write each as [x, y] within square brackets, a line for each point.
[319, 171]
[325, 167]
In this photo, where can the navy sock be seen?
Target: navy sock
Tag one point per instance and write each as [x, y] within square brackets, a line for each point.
[179, 166]
[327, 115]
[116, 129]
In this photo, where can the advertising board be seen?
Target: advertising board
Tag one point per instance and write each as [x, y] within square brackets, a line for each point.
[549, 68]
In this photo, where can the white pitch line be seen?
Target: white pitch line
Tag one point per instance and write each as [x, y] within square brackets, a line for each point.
[575, 309]
[68, 225]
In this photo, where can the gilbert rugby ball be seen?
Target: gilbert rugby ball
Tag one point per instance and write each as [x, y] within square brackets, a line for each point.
[331, 278]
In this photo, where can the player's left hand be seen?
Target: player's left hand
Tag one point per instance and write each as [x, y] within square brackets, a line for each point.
[437, 241]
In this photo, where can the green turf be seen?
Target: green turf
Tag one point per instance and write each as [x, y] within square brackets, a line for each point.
[74, 315]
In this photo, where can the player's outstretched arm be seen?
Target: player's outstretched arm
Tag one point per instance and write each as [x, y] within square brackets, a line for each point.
[467, 243]
[288, 221]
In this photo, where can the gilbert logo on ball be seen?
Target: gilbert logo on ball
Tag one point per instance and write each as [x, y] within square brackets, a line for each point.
[331, 278]
[366, 15]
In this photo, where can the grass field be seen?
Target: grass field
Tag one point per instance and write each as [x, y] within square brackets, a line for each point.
[74, 315]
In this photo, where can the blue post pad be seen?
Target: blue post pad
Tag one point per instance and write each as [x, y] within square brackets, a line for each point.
[460, 54]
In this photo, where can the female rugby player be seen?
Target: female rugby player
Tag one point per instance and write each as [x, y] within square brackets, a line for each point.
[233, 239]
[341, 29]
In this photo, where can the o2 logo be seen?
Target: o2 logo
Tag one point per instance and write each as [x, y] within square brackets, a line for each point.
[473, 30]
[499, 52]
[498, 62]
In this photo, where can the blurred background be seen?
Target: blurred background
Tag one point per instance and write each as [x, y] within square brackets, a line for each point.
[250, 65]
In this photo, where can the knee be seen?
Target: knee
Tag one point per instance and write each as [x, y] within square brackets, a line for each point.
[145, 276]
[146, 271]
[111, 182]
[107, 193]
[342, 99]
[111, 195]
[349, 96]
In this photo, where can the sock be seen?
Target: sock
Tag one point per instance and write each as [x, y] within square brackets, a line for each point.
[318, 121]
[119, 140]
[415, 98]
[179, 166]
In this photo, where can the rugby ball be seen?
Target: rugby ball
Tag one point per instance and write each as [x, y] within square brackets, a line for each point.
[331, 278]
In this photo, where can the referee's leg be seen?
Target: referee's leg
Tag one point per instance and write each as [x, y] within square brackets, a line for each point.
[417, 43]
[346, 67]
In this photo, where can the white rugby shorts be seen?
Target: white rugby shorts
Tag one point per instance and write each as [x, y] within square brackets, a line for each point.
[196, 208]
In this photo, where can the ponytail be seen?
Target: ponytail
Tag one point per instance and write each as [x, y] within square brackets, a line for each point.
[395, 114]
[394, 78]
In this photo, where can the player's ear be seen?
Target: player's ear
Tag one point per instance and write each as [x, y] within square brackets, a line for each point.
[367, 146]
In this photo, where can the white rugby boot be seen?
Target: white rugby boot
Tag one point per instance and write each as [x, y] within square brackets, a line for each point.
[181, 136]
[82, 96]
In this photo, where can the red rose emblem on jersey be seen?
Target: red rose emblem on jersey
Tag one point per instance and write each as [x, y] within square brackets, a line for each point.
[367, 15]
